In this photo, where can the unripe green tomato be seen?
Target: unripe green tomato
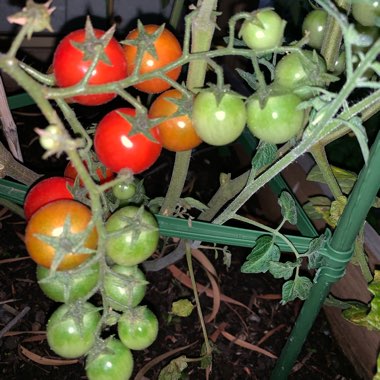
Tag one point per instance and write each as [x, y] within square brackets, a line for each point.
[72, 336]
[68, 286]
[340, 64]
[138, 328]
[366, 12]
[218, 123]
[124, 191]
[315, 23]
[278, 121]
[114, 363]
[264, 30]
[128, 290]
[294, 71]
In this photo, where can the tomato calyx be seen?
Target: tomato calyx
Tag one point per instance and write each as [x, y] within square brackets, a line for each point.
[99, 348]
[220, 91]
[144, 42]
[140, 123]
[92, 46]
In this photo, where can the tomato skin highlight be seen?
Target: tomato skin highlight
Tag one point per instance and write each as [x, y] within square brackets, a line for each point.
[46, 191]
[49, 221]
[278, 121]
[68, 286]
[69, 338]
[138, 328]
[176, 134]
[126, 248]
[168, 50]
[218, 123]
[114, 364]
[69, 67]
[117, 150]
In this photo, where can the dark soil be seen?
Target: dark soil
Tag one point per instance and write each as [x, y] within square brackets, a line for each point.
[267, 321]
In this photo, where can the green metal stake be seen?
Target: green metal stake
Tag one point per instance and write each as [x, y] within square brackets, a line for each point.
[337, 256]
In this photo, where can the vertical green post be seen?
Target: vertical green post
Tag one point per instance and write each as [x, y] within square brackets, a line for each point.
[338, 254]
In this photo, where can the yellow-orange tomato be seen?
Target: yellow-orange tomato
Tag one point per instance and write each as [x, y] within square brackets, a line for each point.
[49, 221]
[168, 50]
[176, 134]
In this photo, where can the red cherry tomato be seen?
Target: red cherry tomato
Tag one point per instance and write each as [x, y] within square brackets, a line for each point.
[70, 68]
[117, 149]
[102, 176]
[176, 134]
[168, 50]
[46, 191]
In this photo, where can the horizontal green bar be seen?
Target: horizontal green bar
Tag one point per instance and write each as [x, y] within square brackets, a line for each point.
[13, 191]
[18, 101]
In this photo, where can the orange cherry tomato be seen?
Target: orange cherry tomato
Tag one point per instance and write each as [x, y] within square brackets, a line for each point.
[176, 134]
[168, 50]
[49, 221]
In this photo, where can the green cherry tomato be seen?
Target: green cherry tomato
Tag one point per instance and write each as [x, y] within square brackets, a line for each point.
[315, 23]
[278, 121]
[124, 191]
[132, 235]
[68, 286]
[366, 12]
[218, 123]
[114, 363]
[138, 328]
[124, 286]
[71, 333]
[295, 70]
[264, 30]
[340, 64]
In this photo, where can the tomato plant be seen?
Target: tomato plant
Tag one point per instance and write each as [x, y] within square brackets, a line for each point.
[366, 12]
[114, 362]
[70, 330]
[315, 24]
[218, 121]
[102, 175]
[46, 191]
[161, 49]
[74, 56]
[263, 30]
[124, 191]
[124, 286]
[68, 286]
[118, 147]
[138, 328]
[175, 133]
[49, 230]
[278, 120]
[132, 235]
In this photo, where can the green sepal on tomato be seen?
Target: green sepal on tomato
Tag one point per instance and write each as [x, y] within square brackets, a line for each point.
[58, 231]
[218, 118]
[68, 286]
[121, 145]
[124, 286]
[101, 174]
[113, 362]
[264, 30]
[132, 235]
[75, 54]
[138, 328]
[46, 191]
[277, 119]
[71, 329]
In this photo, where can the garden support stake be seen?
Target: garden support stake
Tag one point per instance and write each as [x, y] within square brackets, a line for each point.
[335, 260]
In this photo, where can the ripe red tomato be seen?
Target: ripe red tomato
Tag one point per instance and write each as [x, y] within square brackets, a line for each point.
[49, 221]
[46, 191]
[103, 175]
[117, 149]
[168, 50]
[176, 134]
[70, 68]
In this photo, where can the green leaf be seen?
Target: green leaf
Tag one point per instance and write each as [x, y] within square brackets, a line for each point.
[190, 202]
[250, 78]
[265, 155]
[297, 288]
[288, 207]
[182, 308]
[174, 369]
[346, 179]
[206, 359]
[313, 253]
[263, 253]
[356, 125]
[283, 270]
